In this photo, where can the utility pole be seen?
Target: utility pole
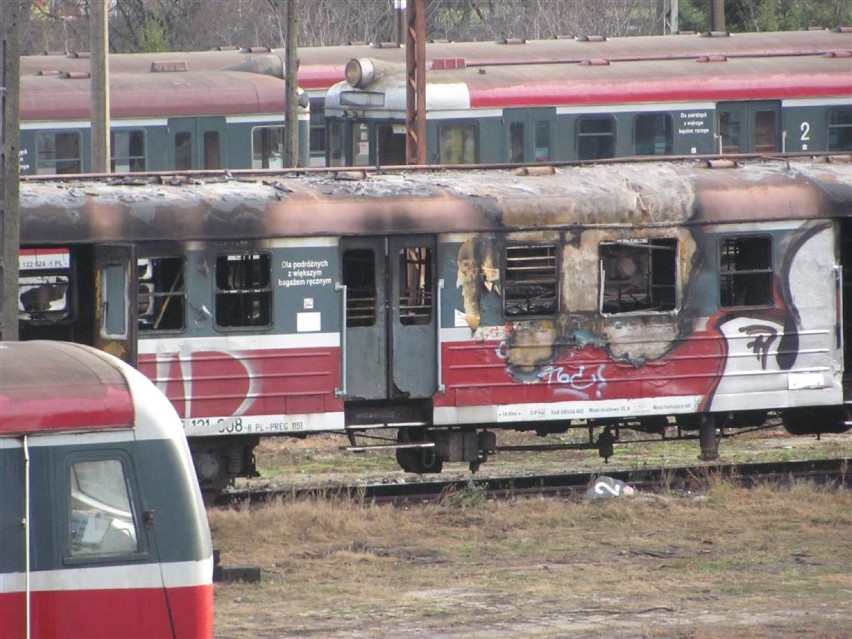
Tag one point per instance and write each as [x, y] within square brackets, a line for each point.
[291, 87]
[99, 45]
[415, 83]
[717, 15]
[11, 14]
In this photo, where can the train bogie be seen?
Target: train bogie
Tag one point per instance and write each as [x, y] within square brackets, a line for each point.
[102, 525]
[451, 305]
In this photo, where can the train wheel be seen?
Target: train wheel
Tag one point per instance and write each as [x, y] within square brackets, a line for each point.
[816, 420]
[417, 460]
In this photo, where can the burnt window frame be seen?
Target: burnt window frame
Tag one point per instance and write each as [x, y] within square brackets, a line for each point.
[359, 315]
[171, 293]
[421, 264]
[653, 304]
[512, 284]
[768, 298]
[265, 292]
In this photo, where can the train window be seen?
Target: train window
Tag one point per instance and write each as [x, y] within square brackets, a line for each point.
[542, 141]
[101, 517]
[764, 132]
[212, 159]
[638, 275]
[840, 130]
[359, 276]
[161, 298]
[745, 271]
[183, 151]
[415, 287]
[516, 142]
[652, 134]
[43, 284]
[360, 148]
[317, 135]
[458, 143]
[243, 290]
[335, 143]
[114, 322]
[391, 139]
[595, 137]
[58, 152]
[267, 147]
[532, 281]
[127, 151]
[730, 127]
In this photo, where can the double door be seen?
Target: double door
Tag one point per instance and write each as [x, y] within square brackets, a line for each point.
[391, 312]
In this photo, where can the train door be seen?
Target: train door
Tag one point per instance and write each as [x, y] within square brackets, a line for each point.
[114, 326]
[390, 325]
[748, 127]
[528, 135]
[198, 143]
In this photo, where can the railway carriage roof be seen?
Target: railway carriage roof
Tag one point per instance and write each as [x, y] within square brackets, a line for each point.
[320, 67]
[317, 204]
[617, 83]
[48, 386]
[162, 95]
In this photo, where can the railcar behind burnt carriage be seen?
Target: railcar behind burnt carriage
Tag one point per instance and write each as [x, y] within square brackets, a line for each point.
[450, 305]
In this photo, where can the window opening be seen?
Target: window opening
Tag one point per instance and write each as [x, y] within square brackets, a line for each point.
[764, 132]
[161, 299]
[58, 152]
[391, 144]
[114, 300]
[516, 142]
[745, 271]
[532, 281]
[243, 290]
[457, 143]
[596, 137]
[730, 129]
[43, 284]
[211, 150]
[638, 275]
[183, 151]
[652, 134]
[101, 518]
[415, 289]
[542, 141]
[359, 276]
[127, 151]
[267, 147]
[840, 130]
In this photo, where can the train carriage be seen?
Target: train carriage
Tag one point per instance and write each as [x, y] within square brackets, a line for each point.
[322, 67]
[450, 305]
[161, 120]
[102, 524]
[596, 108]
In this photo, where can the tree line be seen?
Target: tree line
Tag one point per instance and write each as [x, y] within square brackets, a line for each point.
[187, 25]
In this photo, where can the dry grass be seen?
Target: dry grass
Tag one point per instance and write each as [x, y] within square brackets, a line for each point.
[766, 563]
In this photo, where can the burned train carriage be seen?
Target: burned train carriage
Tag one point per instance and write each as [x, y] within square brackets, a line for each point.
[450, 305]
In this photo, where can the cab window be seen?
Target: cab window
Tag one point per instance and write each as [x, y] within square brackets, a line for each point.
[101, 523]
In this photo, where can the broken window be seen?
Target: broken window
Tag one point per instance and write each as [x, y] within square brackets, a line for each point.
[161, 299]
[243, 290]
[43, 284]
[415, 287]
[745, 271]
[359, 276]
[638, 275]
[531, 281]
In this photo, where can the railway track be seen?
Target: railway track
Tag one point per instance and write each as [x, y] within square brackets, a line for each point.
[677, 479]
